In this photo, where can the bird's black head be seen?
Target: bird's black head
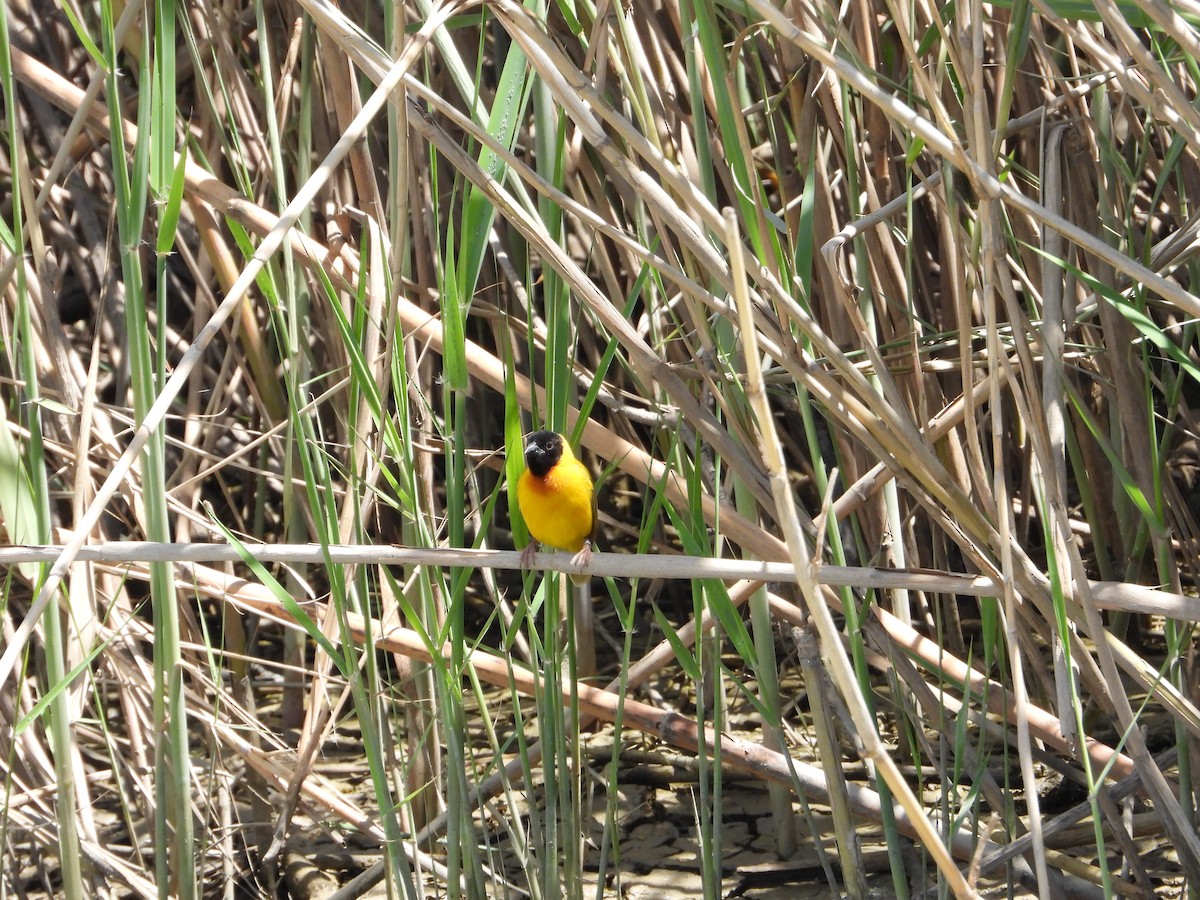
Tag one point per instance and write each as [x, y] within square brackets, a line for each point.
[543, 449]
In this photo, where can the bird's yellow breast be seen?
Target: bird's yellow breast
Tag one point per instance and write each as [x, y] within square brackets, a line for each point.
[557, 508]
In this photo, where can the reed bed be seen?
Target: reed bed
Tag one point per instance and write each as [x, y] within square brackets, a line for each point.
[875, 323]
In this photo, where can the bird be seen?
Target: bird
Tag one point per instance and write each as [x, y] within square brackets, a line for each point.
[557, 500]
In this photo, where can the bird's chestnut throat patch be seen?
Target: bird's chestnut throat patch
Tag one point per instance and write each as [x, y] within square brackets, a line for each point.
[546, 483]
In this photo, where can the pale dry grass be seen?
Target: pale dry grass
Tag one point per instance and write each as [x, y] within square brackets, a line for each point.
[965, 273]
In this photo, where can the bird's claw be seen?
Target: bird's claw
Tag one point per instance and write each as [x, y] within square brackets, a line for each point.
[583, 558]
[528, 554]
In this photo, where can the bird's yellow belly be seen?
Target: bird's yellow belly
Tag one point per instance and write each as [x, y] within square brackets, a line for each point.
[557, 509]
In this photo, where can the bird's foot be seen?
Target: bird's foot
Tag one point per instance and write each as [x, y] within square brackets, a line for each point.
[528, 554]
[583, 558]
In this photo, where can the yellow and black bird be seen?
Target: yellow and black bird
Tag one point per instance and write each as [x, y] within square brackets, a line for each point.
[557, 500]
